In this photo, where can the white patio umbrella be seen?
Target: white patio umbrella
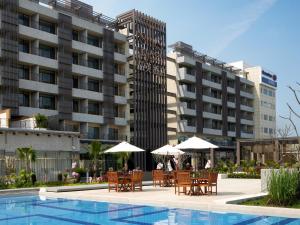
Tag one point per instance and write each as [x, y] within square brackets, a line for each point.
[124, 147]
[196, 143]
[168, 150]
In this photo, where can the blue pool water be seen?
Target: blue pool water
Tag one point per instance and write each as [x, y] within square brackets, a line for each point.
[34, 210]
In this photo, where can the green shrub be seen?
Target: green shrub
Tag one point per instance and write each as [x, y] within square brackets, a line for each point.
[23, 179]
[283, 187]
[41, 121]
[244, 175]
[80, 171]
[3, 183]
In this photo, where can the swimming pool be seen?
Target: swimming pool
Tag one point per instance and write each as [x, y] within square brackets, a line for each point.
[21, 210]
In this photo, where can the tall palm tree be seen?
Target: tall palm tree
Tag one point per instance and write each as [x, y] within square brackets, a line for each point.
[96, 151]
[27, 154]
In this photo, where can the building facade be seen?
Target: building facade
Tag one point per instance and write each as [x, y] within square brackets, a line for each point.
[147, 82]
[63, 60]
[265, 85]
[208, 98]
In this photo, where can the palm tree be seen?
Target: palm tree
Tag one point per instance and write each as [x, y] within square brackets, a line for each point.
[96, 150]
[123, 157]
[27, 154]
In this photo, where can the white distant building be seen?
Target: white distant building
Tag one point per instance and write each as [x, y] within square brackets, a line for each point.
[265, 84]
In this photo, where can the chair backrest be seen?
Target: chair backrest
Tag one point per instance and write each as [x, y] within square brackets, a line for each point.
[137, 176]
[183, 177]
[158, 174]
[112, 177]
[212, 178]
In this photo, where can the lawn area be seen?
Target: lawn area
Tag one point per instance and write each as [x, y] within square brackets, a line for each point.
[264, 202]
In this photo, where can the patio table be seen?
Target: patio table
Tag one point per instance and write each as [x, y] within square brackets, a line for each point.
[125, 181]
[196, 185]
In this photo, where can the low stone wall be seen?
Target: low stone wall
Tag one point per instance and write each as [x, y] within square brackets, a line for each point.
[265, 175]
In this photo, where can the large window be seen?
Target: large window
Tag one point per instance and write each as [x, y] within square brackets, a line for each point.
[23, 72]
[75, 35]
[24, 19]
[93, 133]
[47, 76]
[75, 105]
[47, 26]
[93, 40]
[47, 51]
[24, 99]
[75, 82]
[93, 108]
[75, 58]
[24, 46]
[47, 102]
[93, 63]
[93, 85]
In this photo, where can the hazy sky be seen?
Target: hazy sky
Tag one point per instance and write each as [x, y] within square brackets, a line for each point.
[261, 32]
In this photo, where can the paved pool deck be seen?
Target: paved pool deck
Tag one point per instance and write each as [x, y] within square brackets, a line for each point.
[229, 190]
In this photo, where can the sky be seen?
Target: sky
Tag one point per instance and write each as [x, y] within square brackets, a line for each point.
[260, 32]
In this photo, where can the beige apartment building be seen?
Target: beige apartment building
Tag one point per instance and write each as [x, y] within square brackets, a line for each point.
[208, 98]
[265, 86]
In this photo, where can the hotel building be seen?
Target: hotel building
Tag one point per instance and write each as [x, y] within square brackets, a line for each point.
[265, 85]
[207, 97]
[63, 60]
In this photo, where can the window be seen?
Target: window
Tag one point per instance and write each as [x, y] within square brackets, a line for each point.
[265, 117]
[24, 19]
[47, 26]
[47, 102]
[113, 134]
[75, 82]
[47, 51]
[93, 132]
[75, 105]
[270, 92]
[93, 63]
[23, 72]
[24, 46]
[92, 40]
[47, 76]
[265, 130]
[75, 58]
[93, 108]
[75, 35]
[24, 99]
[270, 131]
[93, 85]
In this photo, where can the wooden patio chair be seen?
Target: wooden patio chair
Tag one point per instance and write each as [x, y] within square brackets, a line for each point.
[158, 177]
[113, 181]
[212, 182]
[184, 181]
[137, 180]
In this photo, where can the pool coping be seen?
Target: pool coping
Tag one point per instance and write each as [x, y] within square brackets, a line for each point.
[223, 205]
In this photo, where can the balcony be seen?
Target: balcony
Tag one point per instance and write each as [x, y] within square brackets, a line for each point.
[183, 75]
[121, 79]
[231, 104]
[38, 34]
[88, 118]
[184, 110]
[246, 94]
[38, 60]
[84, 70]
[186, 60]
[231, 90]
[183, 126]
[121, 100]
[120, 57]
[211, 115]
[212, 131]
[246, 134]
[119, 121]
[38, 86]
[211, 99]
[247, 122]
[231, 134]
[231, 119]
[86, 94]
[30, 111]
[247, 108]
[212, 84]
[83, 47]
[185, 93]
